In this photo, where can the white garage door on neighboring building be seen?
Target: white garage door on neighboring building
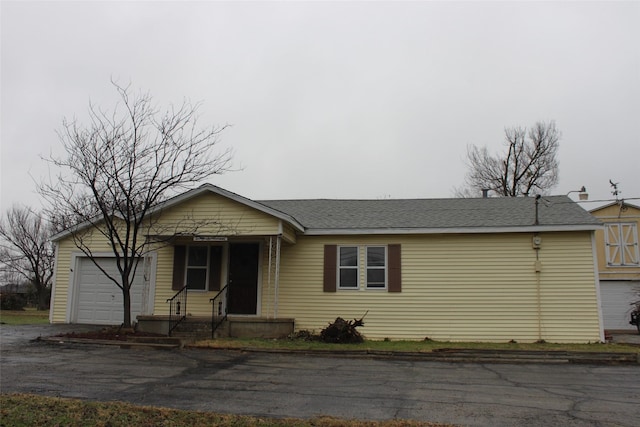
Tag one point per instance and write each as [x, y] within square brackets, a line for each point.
[99, 301]
[616, 298]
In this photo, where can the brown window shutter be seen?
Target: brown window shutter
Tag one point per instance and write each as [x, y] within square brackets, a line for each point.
[395, 273]
[330, 260]
[215, 267]
[178, 267]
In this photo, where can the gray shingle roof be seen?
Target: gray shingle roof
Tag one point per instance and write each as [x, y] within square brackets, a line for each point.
[507, 212]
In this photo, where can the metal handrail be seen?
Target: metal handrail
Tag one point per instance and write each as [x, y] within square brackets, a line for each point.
[177, 309]
[220, 315]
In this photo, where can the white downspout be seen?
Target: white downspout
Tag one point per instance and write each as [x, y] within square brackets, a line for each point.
[277, 272]
[277, 278]
[52, 301]
[269, 267]
[596, 273]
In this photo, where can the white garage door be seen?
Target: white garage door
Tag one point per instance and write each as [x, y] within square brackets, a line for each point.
[99, 300]
[616, 298]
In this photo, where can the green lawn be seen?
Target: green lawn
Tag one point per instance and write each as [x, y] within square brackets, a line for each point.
[33, 410]
[410, 346]
[30, 316]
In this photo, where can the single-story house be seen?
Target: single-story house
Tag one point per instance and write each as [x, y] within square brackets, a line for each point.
[476, 269]
[618, 262]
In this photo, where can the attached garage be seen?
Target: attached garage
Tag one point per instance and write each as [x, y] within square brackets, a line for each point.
[617, 296]
[98, 300]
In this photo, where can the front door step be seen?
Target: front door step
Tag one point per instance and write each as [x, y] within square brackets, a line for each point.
[199, 328]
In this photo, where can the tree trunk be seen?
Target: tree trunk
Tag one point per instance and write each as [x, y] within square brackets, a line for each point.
[126, 297]
[43, 298]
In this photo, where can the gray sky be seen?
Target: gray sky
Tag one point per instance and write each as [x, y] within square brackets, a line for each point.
[336, 99]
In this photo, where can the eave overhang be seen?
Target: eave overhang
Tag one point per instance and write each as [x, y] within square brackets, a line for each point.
[464, 230]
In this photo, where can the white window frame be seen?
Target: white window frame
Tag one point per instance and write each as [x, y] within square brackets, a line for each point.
[385, 267]
[348, 267]
[206, 267]
[622, 244]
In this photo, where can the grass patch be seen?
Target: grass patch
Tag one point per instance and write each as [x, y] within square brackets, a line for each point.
[408, 346]
[28, 316]
[31, 410]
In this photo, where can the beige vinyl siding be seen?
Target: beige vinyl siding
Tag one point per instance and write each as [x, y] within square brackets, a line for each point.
[58, 306]
[222, 216]
[480, 287]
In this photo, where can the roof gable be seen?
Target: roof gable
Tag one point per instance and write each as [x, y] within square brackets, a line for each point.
[615, 207]
[191, 194]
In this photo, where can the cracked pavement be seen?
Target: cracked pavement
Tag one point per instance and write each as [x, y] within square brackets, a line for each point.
[286, 385]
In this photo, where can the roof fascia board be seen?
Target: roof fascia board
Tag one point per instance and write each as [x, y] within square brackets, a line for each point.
[94, 222]
[471, 230]
[591, 211]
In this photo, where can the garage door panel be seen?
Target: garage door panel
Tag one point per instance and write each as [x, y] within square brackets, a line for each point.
[616, 303]
[99, 300]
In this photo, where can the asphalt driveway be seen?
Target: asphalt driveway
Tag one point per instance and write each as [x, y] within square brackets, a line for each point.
[284, 385]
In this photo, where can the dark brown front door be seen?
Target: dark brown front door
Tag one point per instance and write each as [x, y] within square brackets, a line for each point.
[243, 278]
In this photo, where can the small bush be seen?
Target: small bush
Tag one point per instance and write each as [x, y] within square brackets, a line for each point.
[12, 301]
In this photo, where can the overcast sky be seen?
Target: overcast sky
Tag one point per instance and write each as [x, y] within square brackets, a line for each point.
[336, 99]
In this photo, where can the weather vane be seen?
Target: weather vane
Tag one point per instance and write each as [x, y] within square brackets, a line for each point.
[615, 191]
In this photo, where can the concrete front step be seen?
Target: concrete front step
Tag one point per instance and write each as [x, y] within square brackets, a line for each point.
[234, 326]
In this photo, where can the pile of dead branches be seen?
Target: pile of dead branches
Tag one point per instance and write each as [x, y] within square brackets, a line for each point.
[343, 331]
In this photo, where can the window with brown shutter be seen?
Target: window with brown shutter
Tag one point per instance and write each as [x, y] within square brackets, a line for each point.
[330, 273]
[178, 267]
[215, 268]
[395, 273]
[377, 266]
[197, 263]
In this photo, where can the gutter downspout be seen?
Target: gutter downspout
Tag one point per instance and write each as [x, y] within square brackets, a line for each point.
[269, 267]
[277, 278]
[277, 272]
[596, 274]
[52, 301]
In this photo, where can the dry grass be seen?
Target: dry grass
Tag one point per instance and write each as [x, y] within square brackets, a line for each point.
[33, 410]
[409, 346]
[28, 316]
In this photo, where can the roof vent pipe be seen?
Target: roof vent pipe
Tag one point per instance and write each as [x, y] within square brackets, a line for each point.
[485, 193]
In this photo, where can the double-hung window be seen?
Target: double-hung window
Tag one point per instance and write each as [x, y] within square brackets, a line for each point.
[376, 267]
[381, 267]
[348, 267]
[197, 267]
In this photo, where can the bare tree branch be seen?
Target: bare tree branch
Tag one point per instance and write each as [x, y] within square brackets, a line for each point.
[25, 250]
[529, 165]
[120, 166]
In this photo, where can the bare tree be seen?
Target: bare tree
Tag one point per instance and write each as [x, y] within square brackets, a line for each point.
[529, 164]
[26, 252]
[119, 167]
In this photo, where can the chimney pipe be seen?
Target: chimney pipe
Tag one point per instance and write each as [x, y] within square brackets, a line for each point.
[485, 193]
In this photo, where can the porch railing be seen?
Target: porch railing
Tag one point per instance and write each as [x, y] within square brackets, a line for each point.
[218, 309]
[177, 309]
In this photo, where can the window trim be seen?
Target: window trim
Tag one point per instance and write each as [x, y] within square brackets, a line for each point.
[385, 267]
[340, 267]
